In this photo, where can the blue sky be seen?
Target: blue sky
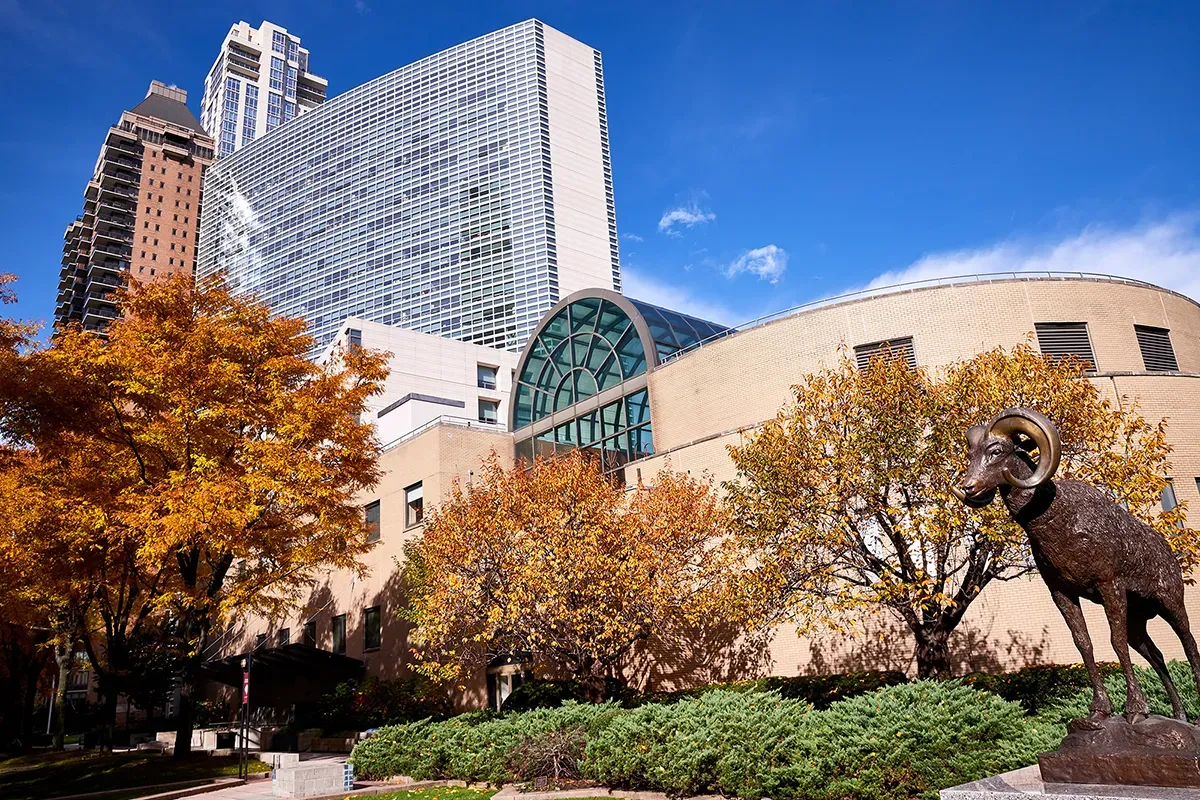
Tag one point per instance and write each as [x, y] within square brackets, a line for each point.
[763, 154]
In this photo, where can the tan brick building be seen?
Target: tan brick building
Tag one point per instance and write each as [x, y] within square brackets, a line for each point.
[141, 211]
[663, 388]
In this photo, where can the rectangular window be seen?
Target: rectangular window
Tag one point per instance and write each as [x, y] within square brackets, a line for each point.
[489, 411]
[371, 624]
[1157, 353]
[354, 338]
[1168, 496]
[293, 50]
[274, 111]
[278, 42]
[289, 84]
[276, 76]
[284, 637]
[1059, 340]
[372, 513]
[339, 633]
[310, 633]
[249, 115]
[485, 376]
[260, 640]
[414, 505]
[901, 347]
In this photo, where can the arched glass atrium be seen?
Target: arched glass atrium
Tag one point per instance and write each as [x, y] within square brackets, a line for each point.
[581, 381]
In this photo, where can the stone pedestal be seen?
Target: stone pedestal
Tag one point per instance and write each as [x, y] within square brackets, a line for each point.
[312, 779]
[1028, 782]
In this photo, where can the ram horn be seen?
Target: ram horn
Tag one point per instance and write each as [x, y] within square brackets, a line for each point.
[1012, 421]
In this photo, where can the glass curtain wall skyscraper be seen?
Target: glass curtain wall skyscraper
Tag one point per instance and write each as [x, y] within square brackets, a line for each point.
[461, 195]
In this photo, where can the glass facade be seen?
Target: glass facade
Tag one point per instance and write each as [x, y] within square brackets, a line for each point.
[578, 381]
[423, 199]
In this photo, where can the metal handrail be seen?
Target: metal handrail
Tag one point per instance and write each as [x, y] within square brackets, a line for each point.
[895, 288]
[459, 422]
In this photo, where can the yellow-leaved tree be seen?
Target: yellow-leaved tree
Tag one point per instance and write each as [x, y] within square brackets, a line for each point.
[842, 503]
[558, 561]
[226, 460]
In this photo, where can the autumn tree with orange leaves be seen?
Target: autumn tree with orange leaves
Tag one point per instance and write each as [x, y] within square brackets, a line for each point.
[220, 461]
[558, 561]
[842, 502]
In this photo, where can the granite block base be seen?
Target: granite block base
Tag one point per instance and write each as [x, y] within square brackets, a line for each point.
[1028, 782]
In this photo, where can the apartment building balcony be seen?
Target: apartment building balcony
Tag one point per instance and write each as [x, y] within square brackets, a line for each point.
[113, 217]
[112, 188]
[101, 283]
[116, 158]
[111, 265]
[113, 242]
[98, 319]
[101, 300]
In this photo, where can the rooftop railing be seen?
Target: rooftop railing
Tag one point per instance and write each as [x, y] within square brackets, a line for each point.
[901, 288]
[458, 422]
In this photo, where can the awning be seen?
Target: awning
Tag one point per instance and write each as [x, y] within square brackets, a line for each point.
[283, 663]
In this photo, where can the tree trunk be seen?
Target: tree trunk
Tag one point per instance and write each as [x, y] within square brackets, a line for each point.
[183, 720]
[62, 656]
[110, 717]
[933, 652]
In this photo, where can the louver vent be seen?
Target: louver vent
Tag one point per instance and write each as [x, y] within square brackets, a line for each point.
[895, 348]
[1063, 339]
[1157, 353]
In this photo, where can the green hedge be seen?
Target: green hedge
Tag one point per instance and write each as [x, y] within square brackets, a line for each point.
[898, 742]
[818, 690]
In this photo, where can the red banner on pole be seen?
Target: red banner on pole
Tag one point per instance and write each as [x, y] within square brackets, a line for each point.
[246, 687]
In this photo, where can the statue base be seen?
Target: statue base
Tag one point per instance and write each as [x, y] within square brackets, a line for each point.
[1158, 751]
[1027, 784]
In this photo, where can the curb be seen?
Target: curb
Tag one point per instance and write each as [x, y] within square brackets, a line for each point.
[183, 789]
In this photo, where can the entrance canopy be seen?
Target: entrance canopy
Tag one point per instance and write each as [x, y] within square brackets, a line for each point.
[284, 665]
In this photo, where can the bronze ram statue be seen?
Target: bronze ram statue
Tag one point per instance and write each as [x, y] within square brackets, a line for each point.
[1085, 546]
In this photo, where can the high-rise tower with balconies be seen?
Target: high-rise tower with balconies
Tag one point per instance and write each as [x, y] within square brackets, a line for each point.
[141, 209]
[259, 81]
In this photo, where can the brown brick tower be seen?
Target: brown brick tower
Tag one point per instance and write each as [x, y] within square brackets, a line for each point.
[141, 209]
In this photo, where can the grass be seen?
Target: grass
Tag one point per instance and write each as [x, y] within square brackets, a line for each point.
[438, 793]
[41, 777]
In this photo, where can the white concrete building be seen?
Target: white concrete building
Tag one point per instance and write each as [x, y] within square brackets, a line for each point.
[432, 378]
[462, 195]
[259, 81]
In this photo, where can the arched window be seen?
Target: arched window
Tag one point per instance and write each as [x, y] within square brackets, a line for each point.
[581, 380]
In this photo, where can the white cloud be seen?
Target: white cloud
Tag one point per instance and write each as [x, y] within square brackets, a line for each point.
[768, 263]
[1165, 253]
[689, 216]
[676, 298]
[632, 237]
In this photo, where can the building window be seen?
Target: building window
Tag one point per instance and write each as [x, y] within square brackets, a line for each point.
[260, 640]
[1168, 496]
[310, 633]
[371, 624]
[278, 42]
[372, 513]
[900, 347]
[485, 376]
[489, 411]
[274, 111]
[414, 505]
[276, 77]
[339, 633]
[354, 338]
[284, 637]
[1157, 353]
[1061, 340]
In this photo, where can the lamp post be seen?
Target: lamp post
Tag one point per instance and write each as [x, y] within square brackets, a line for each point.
[244, 728]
